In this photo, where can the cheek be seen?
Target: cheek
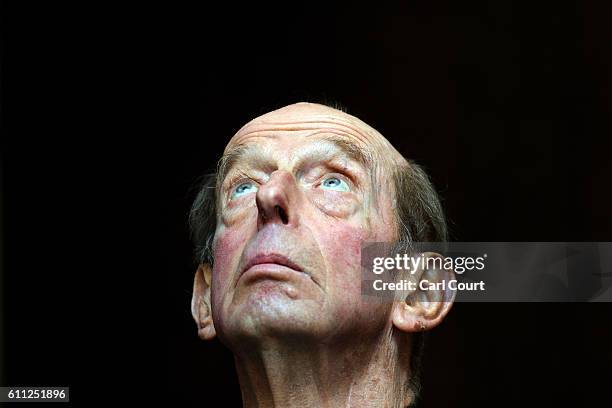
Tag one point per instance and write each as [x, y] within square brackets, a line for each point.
[342, 246]
[227, 249]
[344, 280]
[230, 239]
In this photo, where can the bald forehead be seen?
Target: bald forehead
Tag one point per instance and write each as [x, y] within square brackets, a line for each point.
[307, 119]
[304, 110]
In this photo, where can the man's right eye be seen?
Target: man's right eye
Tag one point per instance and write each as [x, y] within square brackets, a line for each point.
[244, 189]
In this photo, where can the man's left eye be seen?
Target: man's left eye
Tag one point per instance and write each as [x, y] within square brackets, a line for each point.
[335, 184]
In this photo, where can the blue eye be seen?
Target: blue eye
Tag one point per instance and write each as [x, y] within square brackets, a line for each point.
[335, 184]
[244, 189]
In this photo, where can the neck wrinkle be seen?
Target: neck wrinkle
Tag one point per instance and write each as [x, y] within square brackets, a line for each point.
[360, 374]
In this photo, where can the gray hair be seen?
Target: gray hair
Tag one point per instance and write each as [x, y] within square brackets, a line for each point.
[203, 219]
[420, 218]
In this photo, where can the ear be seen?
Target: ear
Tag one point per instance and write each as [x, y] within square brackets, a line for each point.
[200, 302]
[425, 309]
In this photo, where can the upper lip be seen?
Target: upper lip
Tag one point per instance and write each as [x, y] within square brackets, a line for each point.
[271, 259]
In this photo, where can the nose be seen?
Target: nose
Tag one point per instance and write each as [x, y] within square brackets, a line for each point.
[277, 200]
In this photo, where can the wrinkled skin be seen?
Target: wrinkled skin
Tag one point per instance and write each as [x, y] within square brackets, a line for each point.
[323, 231]
[302, 334]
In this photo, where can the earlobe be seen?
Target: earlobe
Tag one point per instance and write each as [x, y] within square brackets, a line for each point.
[427, 306]
[200, 302]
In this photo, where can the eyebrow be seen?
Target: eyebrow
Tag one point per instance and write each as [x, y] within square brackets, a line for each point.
[354, 152]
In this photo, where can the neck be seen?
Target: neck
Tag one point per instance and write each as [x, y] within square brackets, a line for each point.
[347, 374]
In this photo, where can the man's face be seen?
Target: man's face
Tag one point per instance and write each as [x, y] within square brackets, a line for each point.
[299, 195]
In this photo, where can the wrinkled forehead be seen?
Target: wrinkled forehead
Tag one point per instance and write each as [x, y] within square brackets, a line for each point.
[307, 119]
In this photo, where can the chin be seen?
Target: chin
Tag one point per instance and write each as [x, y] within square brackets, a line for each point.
[266, 313]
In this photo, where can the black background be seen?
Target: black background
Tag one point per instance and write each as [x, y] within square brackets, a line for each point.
[110, 113]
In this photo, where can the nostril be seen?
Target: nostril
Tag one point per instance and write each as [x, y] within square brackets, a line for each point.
[282, 214]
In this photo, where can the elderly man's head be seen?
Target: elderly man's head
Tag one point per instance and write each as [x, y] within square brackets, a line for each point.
[297, 192]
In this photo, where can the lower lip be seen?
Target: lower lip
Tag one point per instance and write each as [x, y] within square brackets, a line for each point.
[271, 271]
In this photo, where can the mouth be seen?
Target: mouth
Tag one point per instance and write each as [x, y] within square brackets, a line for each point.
[274, 263]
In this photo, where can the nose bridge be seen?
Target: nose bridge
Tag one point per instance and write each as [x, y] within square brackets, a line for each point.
[277, 199]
